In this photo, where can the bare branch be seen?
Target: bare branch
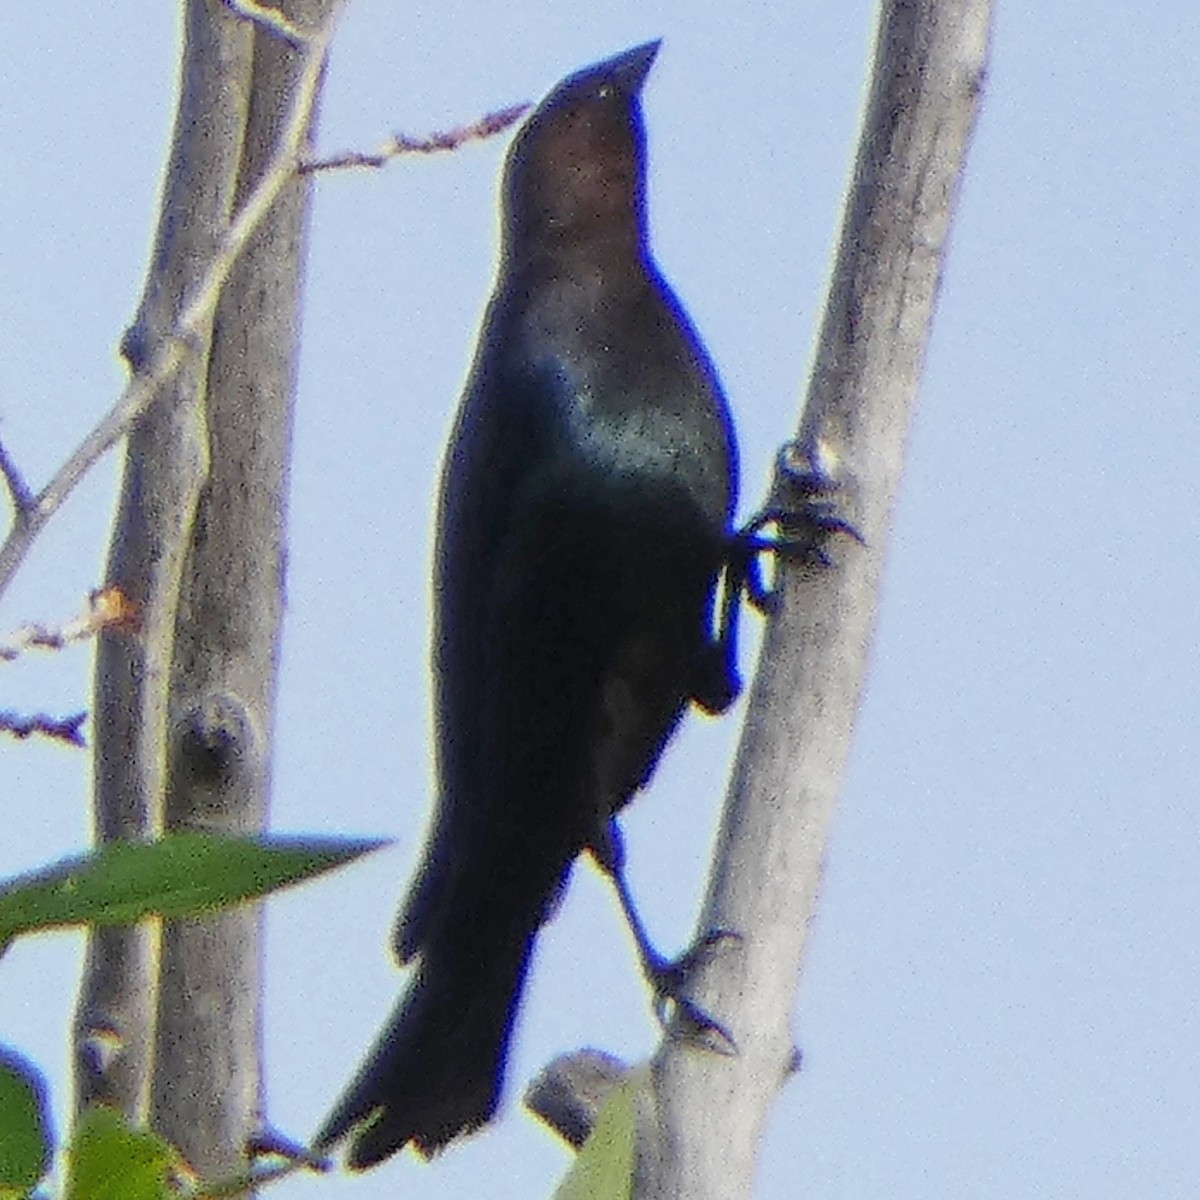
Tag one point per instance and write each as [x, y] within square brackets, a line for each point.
[166, 462]
[107, 609]
[222, 662]
[701, 1135]
[150, 377]
[208, 212]
[569, 1092]
[62, 729]
[487, 126]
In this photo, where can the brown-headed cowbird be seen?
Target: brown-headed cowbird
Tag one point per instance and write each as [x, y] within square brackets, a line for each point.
[584, 522]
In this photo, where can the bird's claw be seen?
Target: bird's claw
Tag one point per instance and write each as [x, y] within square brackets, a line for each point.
[803, 533]
[668, 979]
[806, 514]
[805, 477]
[806, 518]
[687, 1019]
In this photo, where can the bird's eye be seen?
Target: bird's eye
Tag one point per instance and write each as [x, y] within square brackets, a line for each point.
[604, 92]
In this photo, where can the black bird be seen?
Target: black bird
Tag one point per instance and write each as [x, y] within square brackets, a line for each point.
[584, 522]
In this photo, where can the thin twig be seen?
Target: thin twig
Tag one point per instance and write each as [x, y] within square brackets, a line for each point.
[60, 729]
[107, 609]
[147, 383]
[402, 143]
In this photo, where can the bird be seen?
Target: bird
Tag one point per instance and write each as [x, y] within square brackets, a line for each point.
[584, 522]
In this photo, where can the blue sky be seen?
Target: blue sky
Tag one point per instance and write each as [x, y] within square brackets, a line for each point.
[1000, 996]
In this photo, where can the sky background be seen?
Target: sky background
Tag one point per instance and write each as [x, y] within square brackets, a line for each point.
[1000, 999]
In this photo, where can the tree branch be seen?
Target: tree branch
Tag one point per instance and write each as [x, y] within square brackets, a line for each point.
[187, 339]
[707, 1111]
[202, 233]
[165, 463]
[61, 729]
[487, 126]
[206, 1094]
[107, 609]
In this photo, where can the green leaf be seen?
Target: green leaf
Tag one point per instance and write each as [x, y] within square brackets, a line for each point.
[603, 1169]
[182, 875]
[109, 1160]
[24, 1125]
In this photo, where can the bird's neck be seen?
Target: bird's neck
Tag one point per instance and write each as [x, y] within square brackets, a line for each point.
[604, 253]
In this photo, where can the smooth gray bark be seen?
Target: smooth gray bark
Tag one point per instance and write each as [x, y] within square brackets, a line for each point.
[165, 462]
[704, 1113]
[185, 708]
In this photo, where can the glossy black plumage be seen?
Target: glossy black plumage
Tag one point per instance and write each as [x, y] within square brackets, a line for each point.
[584, 520]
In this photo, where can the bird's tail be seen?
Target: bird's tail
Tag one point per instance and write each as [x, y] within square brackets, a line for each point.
[437, 1069]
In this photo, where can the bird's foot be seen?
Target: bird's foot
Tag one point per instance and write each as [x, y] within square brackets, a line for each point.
[806, 513]
[669, 978]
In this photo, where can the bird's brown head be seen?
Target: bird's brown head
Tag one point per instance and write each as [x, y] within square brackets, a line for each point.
[576, 170]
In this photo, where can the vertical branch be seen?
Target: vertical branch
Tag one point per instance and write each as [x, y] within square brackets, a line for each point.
[206, 1089]
[184, 709]
[705, 1112]
[165, 463]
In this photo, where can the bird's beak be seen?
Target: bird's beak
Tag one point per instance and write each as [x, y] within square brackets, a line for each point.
[629, 69]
